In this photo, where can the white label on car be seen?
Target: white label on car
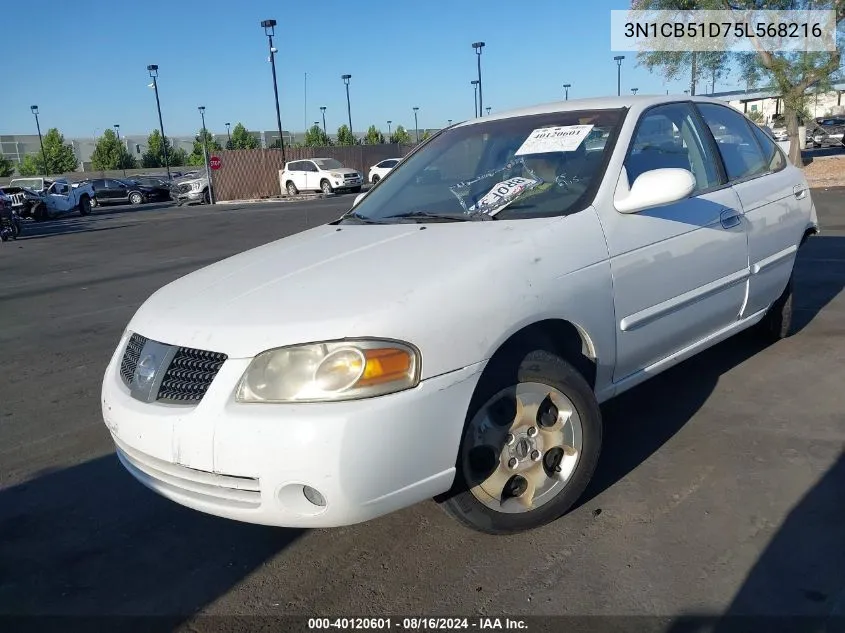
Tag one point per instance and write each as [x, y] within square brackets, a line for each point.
[565, 138]
[502, 194]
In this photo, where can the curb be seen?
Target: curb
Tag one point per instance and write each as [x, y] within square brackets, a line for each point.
[277, 199]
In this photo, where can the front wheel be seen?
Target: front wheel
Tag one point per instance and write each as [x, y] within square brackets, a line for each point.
[326, 187]
[94, 202]
[376, 179]
[206, 197]
[530, 446]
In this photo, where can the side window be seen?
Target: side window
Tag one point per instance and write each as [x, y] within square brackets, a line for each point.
[739, 150]
[391, 163]
[668, 137]
[309, 166]
[773, 154]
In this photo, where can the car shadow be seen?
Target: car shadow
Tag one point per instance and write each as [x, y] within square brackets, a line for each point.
[88, 540]
[798, 582]
[638, 422]
[32, 231]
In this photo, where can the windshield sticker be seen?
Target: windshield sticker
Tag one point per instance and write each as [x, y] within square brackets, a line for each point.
[503, 193]
[564, 138]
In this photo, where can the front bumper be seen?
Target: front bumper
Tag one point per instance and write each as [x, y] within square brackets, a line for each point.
[346, 183]
[190, 196]
[249, 462]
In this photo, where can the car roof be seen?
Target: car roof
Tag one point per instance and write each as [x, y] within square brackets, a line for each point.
[634, 102]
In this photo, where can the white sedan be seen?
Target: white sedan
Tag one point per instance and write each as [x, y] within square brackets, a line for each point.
[380, 170]
[406, 352]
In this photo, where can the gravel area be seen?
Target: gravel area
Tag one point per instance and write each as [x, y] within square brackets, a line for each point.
[827, 171]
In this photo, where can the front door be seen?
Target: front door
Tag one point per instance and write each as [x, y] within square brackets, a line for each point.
[60, 199]
[680, 270]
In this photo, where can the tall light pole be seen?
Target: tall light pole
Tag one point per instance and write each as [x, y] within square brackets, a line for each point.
[153, 70]
[269, 30]
[478, 46]
[450, 122]
[346, 79]
[122, 163]
[567, 87]
[389, 131]
[416, 125]
[323, 110]
[619, 59]
[40, 140]
[205, 154]
[228, 136]
[634, 90]
[475, 90]
[488, 110]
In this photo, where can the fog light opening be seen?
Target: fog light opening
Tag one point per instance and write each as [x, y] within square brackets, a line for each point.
[314, 496]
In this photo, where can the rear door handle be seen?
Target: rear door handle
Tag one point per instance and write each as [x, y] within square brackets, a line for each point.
[730, 218]
[799, 191]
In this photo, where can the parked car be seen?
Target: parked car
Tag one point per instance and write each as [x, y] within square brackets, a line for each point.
[191, 188]
[320, 174]
[406, 352]
[380, 170]
[829, 132]
[47, 199]
[153, 181]
[118, 190]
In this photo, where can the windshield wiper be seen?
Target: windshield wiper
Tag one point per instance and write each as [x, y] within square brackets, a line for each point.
[360, 219]
[445, 217]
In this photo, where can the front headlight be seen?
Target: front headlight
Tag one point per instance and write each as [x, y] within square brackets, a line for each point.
[336, 175]
[331, 371]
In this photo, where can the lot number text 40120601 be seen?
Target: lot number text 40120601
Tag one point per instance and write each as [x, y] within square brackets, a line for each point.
[418, 624]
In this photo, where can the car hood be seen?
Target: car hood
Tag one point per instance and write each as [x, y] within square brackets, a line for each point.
[331, 282]
[342, 170]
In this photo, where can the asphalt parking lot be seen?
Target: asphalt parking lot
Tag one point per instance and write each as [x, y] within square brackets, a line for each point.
[721, 488]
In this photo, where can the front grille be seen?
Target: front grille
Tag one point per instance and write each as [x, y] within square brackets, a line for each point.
[182, 188]
[131, 357]
[190, 374]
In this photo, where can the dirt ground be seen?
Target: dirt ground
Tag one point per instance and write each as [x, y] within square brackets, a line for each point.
[828, 171]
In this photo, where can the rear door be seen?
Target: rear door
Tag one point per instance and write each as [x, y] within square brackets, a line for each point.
[775, 201]
[312, 175]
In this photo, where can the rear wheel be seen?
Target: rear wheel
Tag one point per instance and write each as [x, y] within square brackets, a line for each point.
[530, 446]
[135, 198]
[94, 202]
[376, 179]
[291, 188]
[85, 205]
[777, 324]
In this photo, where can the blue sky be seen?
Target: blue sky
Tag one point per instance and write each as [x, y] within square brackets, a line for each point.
[90, 71]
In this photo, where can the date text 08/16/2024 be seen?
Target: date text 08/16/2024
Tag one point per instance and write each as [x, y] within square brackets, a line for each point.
[417, 624]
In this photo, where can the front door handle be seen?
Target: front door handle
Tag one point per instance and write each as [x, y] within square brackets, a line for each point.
[799, 191]
[730, 218]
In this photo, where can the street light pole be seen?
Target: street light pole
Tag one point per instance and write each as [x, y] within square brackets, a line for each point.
[122, 163]
[567, 87]
[323, 110]
[153, 70]
[228, 136]
[269, 30]
[450, 122]
[475, 91]
[478, 46]
[416, 125]
[346, 79]
[40, 140]
[389, 130]
[619, 59]
[205, 155]
[488, 110]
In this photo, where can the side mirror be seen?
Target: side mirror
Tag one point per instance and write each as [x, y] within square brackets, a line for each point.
[358, 199]
[655, 188]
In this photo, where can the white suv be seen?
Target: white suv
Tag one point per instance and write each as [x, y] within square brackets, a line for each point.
[320, 174]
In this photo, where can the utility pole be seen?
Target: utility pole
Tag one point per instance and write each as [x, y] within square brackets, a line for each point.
[153, 69]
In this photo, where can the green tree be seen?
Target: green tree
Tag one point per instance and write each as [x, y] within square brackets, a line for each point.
[197, 157]
[400, 136]
[31, 165]
[111, 153]
[425, 136]
[344, 135]
[756, 116]
[7, 167]
[792, 74]
[374, 136]
[242, 139]
[315, 137]
[60, 157]
[154, 156]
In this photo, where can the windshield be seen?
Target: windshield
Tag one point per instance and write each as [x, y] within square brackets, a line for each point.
[529, 166]
[328, 163]
[29, 183]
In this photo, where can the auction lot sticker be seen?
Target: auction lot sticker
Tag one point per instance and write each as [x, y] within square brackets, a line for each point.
[565, 138]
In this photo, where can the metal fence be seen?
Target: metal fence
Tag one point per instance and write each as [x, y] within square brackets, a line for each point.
[254, 173]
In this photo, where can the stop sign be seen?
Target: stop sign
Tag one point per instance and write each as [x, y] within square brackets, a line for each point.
[215, 162]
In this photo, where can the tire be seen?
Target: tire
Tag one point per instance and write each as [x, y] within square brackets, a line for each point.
[571, 446]
[94, 202]
[326, 187]
[291, 188]
[777, 324]
[376, 179]
[39, 212]
[135, 198]
[84, 205]
[206, 197]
